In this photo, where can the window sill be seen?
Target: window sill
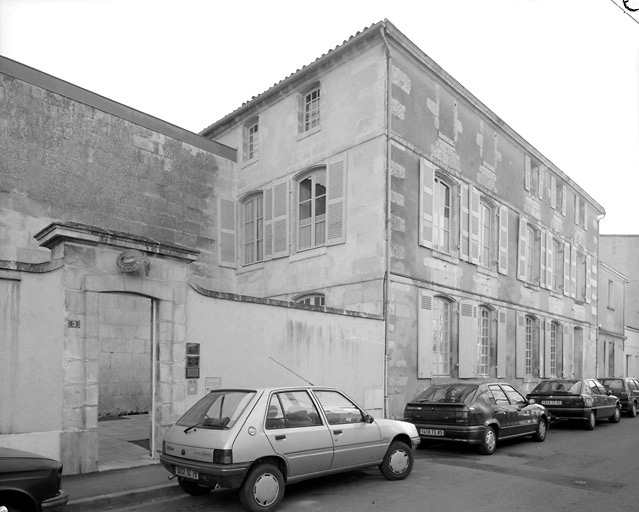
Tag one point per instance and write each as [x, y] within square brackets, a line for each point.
[487, 271]
[248, 163]
[531, 286]
[445, 257]
[250, 268]
[308, 133]
[308, 253]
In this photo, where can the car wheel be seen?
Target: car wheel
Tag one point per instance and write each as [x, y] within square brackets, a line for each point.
[542, 430]
[592, 421]
[488, 442]
[263, 489]
[616, 416]
[633, 410]
[398, 461]
[193, 488]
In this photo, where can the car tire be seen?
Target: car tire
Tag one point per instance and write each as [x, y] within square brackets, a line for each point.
[488, 441]
[262, 489]
[592, 421]
[193, 488]
[542, 431]
[633, 410]
[398, 461]
[616, 417]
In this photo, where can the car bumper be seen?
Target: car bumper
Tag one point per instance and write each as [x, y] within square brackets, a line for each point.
[56, 502]
[568, 413]
[471, 434]
[225, 475]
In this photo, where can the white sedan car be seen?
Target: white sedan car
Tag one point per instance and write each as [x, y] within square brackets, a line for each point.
[258, 440]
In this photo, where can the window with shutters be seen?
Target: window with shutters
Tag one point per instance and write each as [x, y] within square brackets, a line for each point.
[442, 216]
[311, 210]
[529, 264]
[253, 232]
[531, 334]
[555, 352]
[533, 177]
[487, 341]
[442, 330]
[557, 271]
[487, 233]
[251, 141]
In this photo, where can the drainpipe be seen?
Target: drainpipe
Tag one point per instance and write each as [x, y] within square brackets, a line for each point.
[154, 358]
[598, 330]
[386, 311]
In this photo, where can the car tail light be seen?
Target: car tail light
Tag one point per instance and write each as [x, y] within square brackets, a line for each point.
[462, 417]
[223, 456]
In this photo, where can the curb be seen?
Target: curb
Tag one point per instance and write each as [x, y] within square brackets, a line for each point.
[120, 499]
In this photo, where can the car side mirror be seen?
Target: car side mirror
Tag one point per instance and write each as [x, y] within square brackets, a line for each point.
[368, 418]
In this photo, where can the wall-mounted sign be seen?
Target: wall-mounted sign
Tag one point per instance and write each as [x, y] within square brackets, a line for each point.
[192, 349]
[192, 373]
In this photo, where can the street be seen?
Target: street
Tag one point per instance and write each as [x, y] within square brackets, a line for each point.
[573, 469]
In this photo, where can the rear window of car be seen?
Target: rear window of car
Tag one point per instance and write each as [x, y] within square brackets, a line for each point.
[558, 386]
[616, 384]
[217, 410]
[457, 393]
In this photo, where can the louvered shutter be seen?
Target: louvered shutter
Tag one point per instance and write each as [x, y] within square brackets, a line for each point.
[564, 199]
[276, 220]
[464, 222]
[503, 240]
[468, 331]
[521, 260]
[588, 278]
[474, 225]
[227, 233]
[425, 334]
[540, 190]
[336, 202]
[573, 273]
[520, 350]
[426, 196]
[542, 258]
[553, 191]
[546, 344]
[568, 351]
[560, 351]
[527, 172]
[502, 342]
[550, 260]
[567, 269]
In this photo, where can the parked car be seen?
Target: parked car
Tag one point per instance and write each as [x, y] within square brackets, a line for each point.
[627, 390]
[30, 482]
[258, 440]
[572, 399]
[479, 414]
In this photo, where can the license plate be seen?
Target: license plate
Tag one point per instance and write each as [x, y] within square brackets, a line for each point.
[551, 402]
[431, 432]
[186, 473]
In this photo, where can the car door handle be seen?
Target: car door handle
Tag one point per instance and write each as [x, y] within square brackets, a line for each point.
[280, 437]
[337, 432]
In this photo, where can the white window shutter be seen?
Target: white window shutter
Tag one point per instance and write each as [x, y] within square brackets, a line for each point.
[564, 199]
[227, 233]
[541, 182]
[553, 191]
[502, 342]
[468, 332]
[542, 258]
[567, 367]
[546, 348]
[526, 172]
[276, 220]
[426, 197]
[424, 334]
[566, 269]
[464, 222]
[521, 260]
[520, 342]
[474, 225]
[503, 240]
[573, 273]
[336, 202]
[588, 278]
[550, 261]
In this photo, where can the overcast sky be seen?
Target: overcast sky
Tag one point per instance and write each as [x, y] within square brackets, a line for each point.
[564, 74]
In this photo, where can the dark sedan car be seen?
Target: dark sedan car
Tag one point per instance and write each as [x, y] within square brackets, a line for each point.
[627, 390]
[478, 414]
[30, 482]
[571, 399]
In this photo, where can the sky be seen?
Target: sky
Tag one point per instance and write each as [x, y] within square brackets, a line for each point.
[564, 74]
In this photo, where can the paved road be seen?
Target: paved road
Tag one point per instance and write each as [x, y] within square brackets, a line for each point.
[573, 470]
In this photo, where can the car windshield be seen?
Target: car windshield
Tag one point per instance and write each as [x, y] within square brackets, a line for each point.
[614, 384]
[571, 387]
[217, 410]
[453, 393]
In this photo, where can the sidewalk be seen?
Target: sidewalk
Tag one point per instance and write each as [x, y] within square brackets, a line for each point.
[105, 490]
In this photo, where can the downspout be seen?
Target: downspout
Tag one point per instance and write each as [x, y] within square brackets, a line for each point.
[597, 324]
[386, 311]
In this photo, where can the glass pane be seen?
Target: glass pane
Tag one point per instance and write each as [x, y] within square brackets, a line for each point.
[305, 189]
[320, 233]
[305, 237]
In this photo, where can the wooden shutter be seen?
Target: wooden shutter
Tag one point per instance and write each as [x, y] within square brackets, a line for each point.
[526, 172]
[568, 351]
[573, 273]
[464, 222]
[550, 261]
[564, 199]
[426, 196]
[559, 358]
[502, 342]
[520, 350]
[474, 225]
[567, 269]
[424, 334]
[540, 191]
[503, 240]
[227, 233]
[521, 260]
[546, 346]
[336, 202]
[468, 332]
[276, 220]
[542, 258]
[588, 278]
[553, 191]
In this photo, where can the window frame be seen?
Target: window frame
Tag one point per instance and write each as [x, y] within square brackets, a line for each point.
[257, 243]
[310, 109]
[311, 298]
[251, 141]
[443, 232]
[313, 219]
[441, 348]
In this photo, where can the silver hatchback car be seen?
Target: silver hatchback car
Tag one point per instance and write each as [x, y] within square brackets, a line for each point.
[258, 440]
